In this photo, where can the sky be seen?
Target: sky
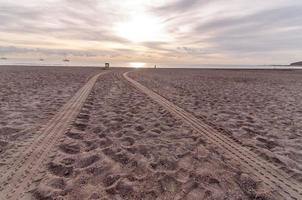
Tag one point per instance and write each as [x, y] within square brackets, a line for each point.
[153, 31]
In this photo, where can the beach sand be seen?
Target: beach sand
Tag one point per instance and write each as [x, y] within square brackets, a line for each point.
[123, 145]
[29, 97]
[260, 108]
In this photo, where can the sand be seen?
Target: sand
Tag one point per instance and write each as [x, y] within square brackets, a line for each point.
[29, 97]
[261, 108]
[125, 146]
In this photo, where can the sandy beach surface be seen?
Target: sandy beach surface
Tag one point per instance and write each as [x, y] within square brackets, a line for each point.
[30, 96]
[124, 145]
[260, 108]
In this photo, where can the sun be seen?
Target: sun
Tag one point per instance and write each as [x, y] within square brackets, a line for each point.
[137, 64]
[142, 28]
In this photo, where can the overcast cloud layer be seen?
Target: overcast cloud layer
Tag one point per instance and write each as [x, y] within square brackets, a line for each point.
[176, 31]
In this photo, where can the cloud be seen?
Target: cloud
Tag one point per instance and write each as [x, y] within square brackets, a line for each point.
[178, 6]
[60, 53]
[285, 16]
[267, 30]
[67, 21]
[199, 29]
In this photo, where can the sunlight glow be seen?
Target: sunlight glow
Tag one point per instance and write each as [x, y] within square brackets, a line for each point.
[137, 64]
[142, 28]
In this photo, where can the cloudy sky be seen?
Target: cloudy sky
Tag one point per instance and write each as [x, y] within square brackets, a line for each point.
[153, 31]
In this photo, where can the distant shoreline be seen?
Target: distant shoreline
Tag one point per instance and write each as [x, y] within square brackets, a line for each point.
[150, 65]
[267, 67]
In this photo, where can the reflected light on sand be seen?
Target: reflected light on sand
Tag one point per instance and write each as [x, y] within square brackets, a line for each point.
[137, 64]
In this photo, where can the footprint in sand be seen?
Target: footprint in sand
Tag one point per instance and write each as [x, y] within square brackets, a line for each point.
[70, 148]
[101, 135]
[182, 175]
[127, 141]
[139, 128]
[145, 151]
[80, 125]
[90, 145]
[87, 161]
[118, 135]
[105, 142]
[156, 131]
[169, 184]
[123, 189]
[74, 135]
[57, 183]
[87, 107]
[85, 111]
[99, 169]
[139, 170]
[59, 169]
[110, 179]
[164, 164]
[117, 155]
[68, 161]
[83, 116]
[131, 149]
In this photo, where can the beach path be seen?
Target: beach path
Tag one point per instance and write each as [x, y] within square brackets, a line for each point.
[20, 172]
[277, 180]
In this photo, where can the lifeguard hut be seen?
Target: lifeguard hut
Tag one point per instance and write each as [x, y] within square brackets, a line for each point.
[107, 65]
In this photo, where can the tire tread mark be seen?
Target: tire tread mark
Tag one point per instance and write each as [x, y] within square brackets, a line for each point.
[276, 179]
[18, 176]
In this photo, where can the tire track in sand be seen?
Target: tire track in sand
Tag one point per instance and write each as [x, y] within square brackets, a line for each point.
[18, 175]
[275, 179]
